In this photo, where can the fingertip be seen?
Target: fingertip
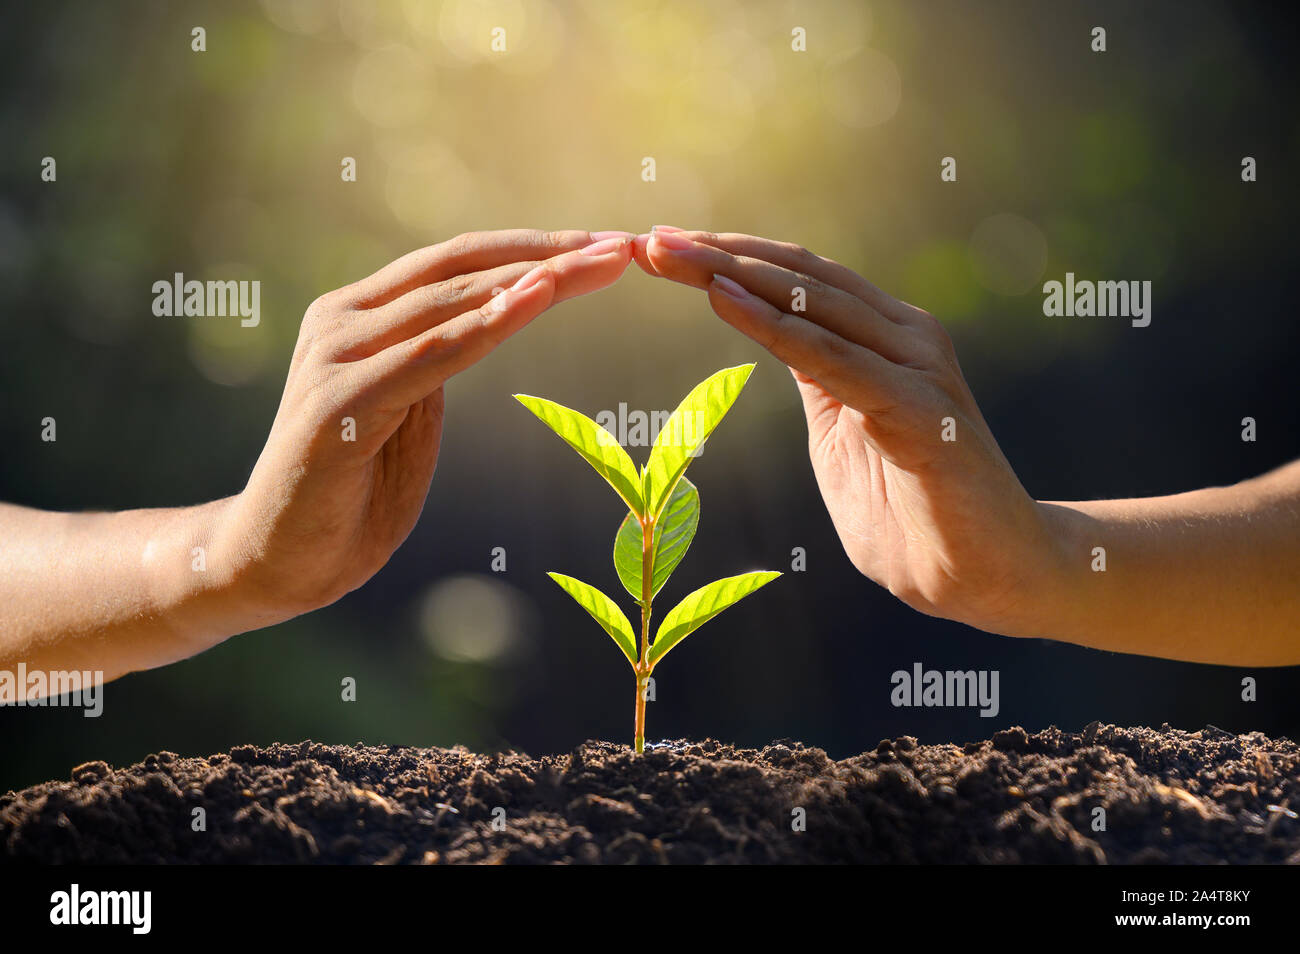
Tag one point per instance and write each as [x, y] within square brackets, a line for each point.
[642, 256]
[538, 284]
[602, 254]
[657, 256]
[538, 274]
[543, 289]
[613, 272]
[730, 288]
[613, 258]
[605, 246]
[580, 274]
[631, 255]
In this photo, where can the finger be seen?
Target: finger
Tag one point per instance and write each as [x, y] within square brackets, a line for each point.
[641, 256]
[677, 257]
[853, 375]
[592, 268]
[470, 252]
[575, 273]
[399, 376]
[639, 248]
[799, 259]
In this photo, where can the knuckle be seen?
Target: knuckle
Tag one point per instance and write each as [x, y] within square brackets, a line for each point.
[438, 346]
[926, 358]
[934, 327]
[835, 347]
[319, 324]
[461, 244]
[487, 324]
[456, 288]
[815, 287]
[324, 306]
[805, 258]
[933, 343]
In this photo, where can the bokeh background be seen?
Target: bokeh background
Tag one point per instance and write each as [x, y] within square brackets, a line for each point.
[226, 164]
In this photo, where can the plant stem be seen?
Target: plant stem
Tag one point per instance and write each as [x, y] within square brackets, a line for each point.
[647, 594]
[638, 741]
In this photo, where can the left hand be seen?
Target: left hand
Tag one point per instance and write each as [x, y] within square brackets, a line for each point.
[945, 525]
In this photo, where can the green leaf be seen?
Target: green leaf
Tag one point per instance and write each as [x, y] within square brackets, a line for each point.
[685, 432]
[701, 606]
[597, 446]
[674, 531]
[603, 610]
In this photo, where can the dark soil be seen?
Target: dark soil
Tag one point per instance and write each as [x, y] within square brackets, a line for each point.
[1168, 795]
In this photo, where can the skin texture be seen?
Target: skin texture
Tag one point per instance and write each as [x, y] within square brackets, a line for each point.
[319, 515]
[1208, 576]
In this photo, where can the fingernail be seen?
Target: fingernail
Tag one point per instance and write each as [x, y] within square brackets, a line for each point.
[673, 241]
[601, 236]
[529, 280]
[605, 246]
[665, 228]
[727, 286]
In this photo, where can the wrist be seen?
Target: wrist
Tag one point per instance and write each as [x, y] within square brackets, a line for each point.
[1056, 563]
[207, 595]
[1025, 588]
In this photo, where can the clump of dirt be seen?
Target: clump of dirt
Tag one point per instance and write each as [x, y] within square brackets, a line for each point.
[1168, 797]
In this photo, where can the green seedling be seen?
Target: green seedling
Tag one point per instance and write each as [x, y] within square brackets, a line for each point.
[663, 513]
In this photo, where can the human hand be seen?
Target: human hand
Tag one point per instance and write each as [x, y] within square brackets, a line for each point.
[325, 508]
[945, 525]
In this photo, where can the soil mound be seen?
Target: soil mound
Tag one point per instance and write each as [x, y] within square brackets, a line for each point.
[1168, 796]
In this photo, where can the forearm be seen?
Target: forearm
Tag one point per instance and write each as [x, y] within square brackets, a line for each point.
[113, 592]
[1207, 576]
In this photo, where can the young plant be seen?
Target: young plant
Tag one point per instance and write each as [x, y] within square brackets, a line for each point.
[663, 512]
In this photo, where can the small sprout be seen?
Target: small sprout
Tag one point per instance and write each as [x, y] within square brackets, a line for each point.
[663, 513]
